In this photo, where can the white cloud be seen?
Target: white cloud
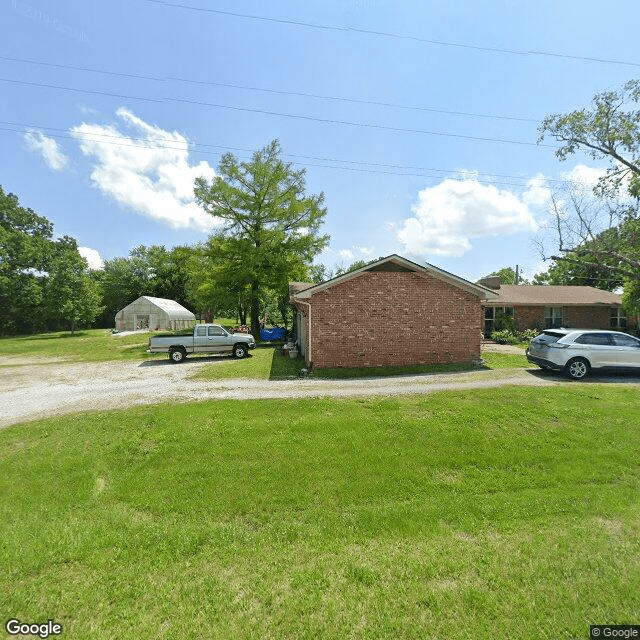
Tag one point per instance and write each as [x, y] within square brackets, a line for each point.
[355, 253]
[366, 252]
[48, 147]
[584, 175]
[147, 171]
[537, 194]
[448, 216]
[92, 257]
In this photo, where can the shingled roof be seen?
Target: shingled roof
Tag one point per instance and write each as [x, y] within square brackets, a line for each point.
[393, 262]
[553, 295]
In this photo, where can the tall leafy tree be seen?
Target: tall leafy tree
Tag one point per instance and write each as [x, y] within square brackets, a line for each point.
[71, 297]
[147, 271]
[270, 227]
[601, 230]
[508, 276]
[25, 251]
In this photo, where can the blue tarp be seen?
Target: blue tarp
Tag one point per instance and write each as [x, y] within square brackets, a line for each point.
[277, 333]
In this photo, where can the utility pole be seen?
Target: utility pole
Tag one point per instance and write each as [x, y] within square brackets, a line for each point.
[517, 277]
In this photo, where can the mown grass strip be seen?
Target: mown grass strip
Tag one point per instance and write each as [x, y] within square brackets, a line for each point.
[504, 513]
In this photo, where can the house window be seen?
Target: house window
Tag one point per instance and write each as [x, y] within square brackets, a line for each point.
[552, 317]
[491, 314]
[618, 319]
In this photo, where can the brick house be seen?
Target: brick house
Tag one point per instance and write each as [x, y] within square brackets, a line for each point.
[544, 306]
[390, 312]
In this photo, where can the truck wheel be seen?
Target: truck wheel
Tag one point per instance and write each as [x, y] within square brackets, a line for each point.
[240, 351]
[177, 355]
[577, 368]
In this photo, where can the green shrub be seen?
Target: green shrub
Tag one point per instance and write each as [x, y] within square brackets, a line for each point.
[505, 323]
[528, 335]
[504, 337]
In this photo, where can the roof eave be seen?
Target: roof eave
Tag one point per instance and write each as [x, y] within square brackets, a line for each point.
[475, 289]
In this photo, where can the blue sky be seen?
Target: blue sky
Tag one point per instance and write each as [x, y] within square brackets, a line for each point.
[418, 120]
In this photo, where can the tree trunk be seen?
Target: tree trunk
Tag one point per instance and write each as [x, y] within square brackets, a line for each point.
[255, 310]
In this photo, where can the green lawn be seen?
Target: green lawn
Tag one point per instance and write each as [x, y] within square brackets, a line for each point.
[268, 363]
[502, 513]
[88, 345]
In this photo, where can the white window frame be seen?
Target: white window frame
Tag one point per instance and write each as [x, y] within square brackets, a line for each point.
[553, 316]
[618, 319]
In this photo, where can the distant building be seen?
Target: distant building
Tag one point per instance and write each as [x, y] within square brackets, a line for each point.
[154, 314]
[545, 306]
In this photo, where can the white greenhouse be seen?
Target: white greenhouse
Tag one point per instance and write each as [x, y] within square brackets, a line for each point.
[154, 314]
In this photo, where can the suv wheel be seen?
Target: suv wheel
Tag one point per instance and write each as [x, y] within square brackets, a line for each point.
[577, 368]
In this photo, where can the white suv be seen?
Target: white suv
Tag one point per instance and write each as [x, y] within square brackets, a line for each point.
[577, 351]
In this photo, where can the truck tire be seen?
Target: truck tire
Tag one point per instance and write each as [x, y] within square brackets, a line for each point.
[177, 354]
[240, 350]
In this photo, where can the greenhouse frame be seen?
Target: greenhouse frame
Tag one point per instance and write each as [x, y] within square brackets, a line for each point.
[147, 313]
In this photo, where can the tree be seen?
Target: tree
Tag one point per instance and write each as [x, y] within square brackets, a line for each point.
[578, 273]
[25, 250]
[508, 276]
[601, 230]
[148, 271]
[71, 297]
[358, 264]
[270, 227]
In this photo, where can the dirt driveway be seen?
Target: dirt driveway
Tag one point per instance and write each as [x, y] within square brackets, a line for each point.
[36, 389]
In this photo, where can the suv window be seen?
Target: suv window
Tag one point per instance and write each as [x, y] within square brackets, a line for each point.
[594, 338]
[549, 337]
[622, 340]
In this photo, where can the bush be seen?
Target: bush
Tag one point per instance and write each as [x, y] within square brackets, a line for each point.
[505, 323]
[528, 335]
[505, 337]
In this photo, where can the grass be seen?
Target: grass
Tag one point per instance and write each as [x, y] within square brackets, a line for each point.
[88, 345]
[502, 513]
[268, 363]
[265, 363]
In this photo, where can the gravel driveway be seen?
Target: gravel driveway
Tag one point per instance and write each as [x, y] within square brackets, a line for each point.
[31, 389]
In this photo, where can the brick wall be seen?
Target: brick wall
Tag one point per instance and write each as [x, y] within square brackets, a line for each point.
[528, 317]
[393, 318]
[583, 317]
[587, 317]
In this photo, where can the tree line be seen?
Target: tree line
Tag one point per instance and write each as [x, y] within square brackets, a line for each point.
[269, 232]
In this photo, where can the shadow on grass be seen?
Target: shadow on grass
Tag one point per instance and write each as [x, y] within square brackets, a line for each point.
[283, 367]
[388, 371]
[191, 359]
[50, 336]
[599, 377]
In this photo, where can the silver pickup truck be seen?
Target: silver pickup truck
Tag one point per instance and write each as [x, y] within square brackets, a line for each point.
[206, 338]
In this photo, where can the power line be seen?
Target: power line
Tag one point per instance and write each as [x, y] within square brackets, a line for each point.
[374, 167]
[302, 164]
[287, 115]
[388, 34]
[304, 94]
